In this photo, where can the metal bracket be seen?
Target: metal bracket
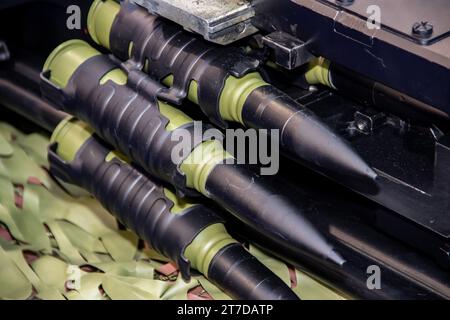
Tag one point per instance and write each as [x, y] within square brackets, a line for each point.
[289, 52]
[144, 84]
[366, 122]
[423, 22]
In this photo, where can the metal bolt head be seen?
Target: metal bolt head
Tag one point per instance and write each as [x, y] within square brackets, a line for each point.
[240, 28]
[423, 29]
[363, 125]
[344, 3]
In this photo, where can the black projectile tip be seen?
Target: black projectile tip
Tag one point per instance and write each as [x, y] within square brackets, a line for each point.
[267, 212]
[244, 277]
[308, 139]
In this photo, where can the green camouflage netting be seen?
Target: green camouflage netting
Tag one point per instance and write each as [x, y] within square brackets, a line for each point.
[56, 245]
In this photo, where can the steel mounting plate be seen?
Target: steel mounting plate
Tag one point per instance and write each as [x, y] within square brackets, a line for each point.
[399, 16]
[219, 21]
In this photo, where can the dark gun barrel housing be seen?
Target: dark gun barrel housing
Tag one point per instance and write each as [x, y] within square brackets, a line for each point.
[226, 85]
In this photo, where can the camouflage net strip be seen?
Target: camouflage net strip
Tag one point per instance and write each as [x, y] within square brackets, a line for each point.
[56, 245]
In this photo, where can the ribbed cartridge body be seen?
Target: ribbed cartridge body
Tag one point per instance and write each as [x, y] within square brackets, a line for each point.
[78, 157]
[91, 87]
[189, 234]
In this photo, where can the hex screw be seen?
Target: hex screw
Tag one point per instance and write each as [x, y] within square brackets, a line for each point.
[240, 28]
[423, 29]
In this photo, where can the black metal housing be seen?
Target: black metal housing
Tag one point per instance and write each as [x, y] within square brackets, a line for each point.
[391, 55]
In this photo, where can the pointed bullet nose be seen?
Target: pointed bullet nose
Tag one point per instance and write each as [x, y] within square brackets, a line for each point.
[307, 138]
[268, 213]
[299, 232]
[336, 258]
